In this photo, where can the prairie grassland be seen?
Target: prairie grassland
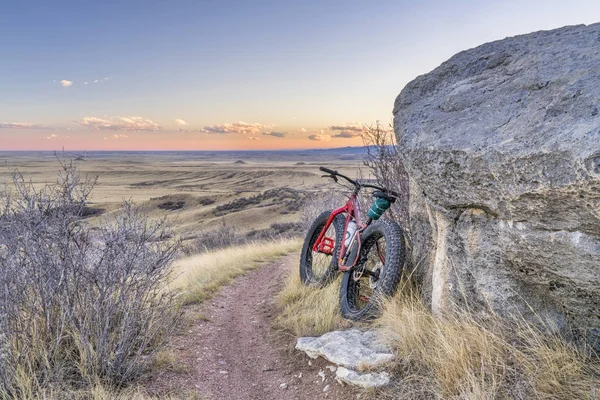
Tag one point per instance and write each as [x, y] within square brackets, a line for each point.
[196, 193]
[200, 276]
[196, 196]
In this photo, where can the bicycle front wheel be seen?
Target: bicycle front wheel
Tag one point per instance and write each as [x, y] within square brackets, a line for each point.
[317, 268]
[377, 273]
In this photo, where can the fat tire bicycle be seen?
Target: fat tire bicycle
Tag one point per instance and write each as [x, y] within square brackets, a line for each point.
[371, 255]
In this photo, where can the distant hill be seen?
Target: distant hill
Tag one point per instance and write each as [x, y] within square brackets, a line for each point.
[340, 153]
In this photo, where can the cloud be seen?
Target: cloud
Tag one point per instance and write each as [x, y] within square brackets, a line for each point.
[21, 125]
[66, 83]
[180, 122]
[55, 137]
[276, 134]
[348, 134]
[320, 138]
[253, 138]
[101, 80]
[353, 127]
[182, 130]
[303, 130]
[236, 127]
[120, 136]
[132, 124]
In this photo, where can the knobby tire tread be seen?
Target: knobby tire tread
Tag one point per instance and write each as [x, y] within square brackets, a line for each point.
[306, 274]
[388, 282]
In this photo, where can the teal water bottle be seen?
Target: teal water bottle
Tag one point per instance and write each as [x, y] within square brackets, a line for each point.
[378, 208]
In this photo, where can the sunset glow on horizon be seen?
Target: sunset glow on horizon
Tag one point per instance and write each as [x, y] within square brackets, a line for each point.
[232, 75]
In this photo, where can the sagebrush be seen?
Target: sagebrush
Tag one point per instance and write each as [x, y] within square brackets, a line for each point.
[384, 161]
[78, 304]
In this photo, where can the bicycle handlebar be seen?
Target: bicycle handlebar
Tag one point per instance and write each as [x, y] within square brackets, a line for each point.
[329, 171]
[358, 184]
[335, 173]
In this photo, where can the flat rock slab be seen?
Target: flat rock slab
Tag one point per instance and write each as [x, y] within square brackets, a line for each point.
[352, 348]
[364, 380]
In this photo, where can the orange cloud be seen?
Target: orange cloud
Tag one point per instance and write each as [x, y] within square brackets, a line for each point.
[119, 124]
[275, 134]
[348, 131]
[236, 127]
[348, 134]
[352, 127]
[320, 138]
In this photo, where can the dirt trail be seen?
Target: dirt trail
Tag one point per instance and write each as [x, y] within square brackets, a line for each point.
[234, 354]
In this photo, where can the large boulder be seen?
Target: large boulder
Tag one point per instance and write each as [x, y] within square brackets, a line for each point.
[502, 144]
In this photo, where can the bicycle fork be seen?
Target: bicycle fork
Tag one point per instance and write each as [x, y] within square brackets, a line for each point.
[349, 259]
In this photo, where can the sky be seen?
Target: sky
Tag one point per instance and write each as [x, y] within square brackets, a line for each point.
[223, 75]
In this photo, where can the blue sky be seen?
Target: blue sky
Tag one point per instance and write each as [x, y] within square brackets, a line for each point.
[291, 68]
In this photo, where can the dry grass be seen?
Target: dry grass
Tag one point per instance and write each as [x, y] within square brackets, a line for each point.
[200, 276]
[152, 181]
[307, 311]
[461, 357]
[101, 392]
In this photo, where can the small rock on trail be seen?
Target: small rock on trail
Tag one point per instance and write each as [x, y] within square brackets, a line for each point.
[355, 351]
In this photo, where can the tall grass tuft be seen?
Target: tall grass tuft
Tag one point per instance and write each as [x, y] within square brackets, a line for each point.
[463, 356]
[307, 311]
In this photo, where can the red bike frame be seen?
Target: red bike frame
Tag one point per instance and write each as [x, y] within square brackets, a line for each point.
[326, 244]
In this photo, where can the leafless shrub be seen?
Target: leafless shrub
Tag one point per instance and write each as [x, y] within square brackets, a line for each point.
[290, 198]
[318, 202]
[283, 230]
[77, 304]
[384, 162]
[227, 236]
[221, 237]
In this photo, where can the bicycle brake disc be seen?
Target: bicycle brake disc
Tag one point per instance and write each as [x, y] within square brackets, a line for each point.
[358, 273]
[373, 280]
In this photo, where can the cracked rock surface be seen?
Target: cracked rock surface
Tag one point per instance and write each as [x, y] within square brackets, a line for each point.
[502, 144]
[356, 352]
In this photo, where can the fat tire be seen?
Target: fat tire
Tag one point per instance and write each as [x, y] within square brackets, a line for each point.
[306, 272]
[395, 259]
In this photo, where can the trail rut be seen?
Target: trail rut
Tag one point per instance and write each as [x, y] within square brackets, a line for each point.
[230, 351]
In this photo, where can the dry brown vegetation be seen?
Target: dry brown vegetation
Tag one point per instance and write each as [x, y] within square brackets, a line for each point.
[198, 193]
[460, 356]
[78, 304]
[199, 277]
[463, 356]
[260, 202]
[307, 311]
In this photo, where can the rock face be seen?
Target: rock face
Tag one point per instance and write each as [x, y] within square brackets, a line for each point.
[502, 144]
[355, 351]
[364, 380]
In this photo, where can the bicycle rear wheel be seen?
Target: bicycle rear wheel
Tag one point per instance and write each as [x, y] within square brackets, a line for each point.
[317, 268]
[377, 273]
